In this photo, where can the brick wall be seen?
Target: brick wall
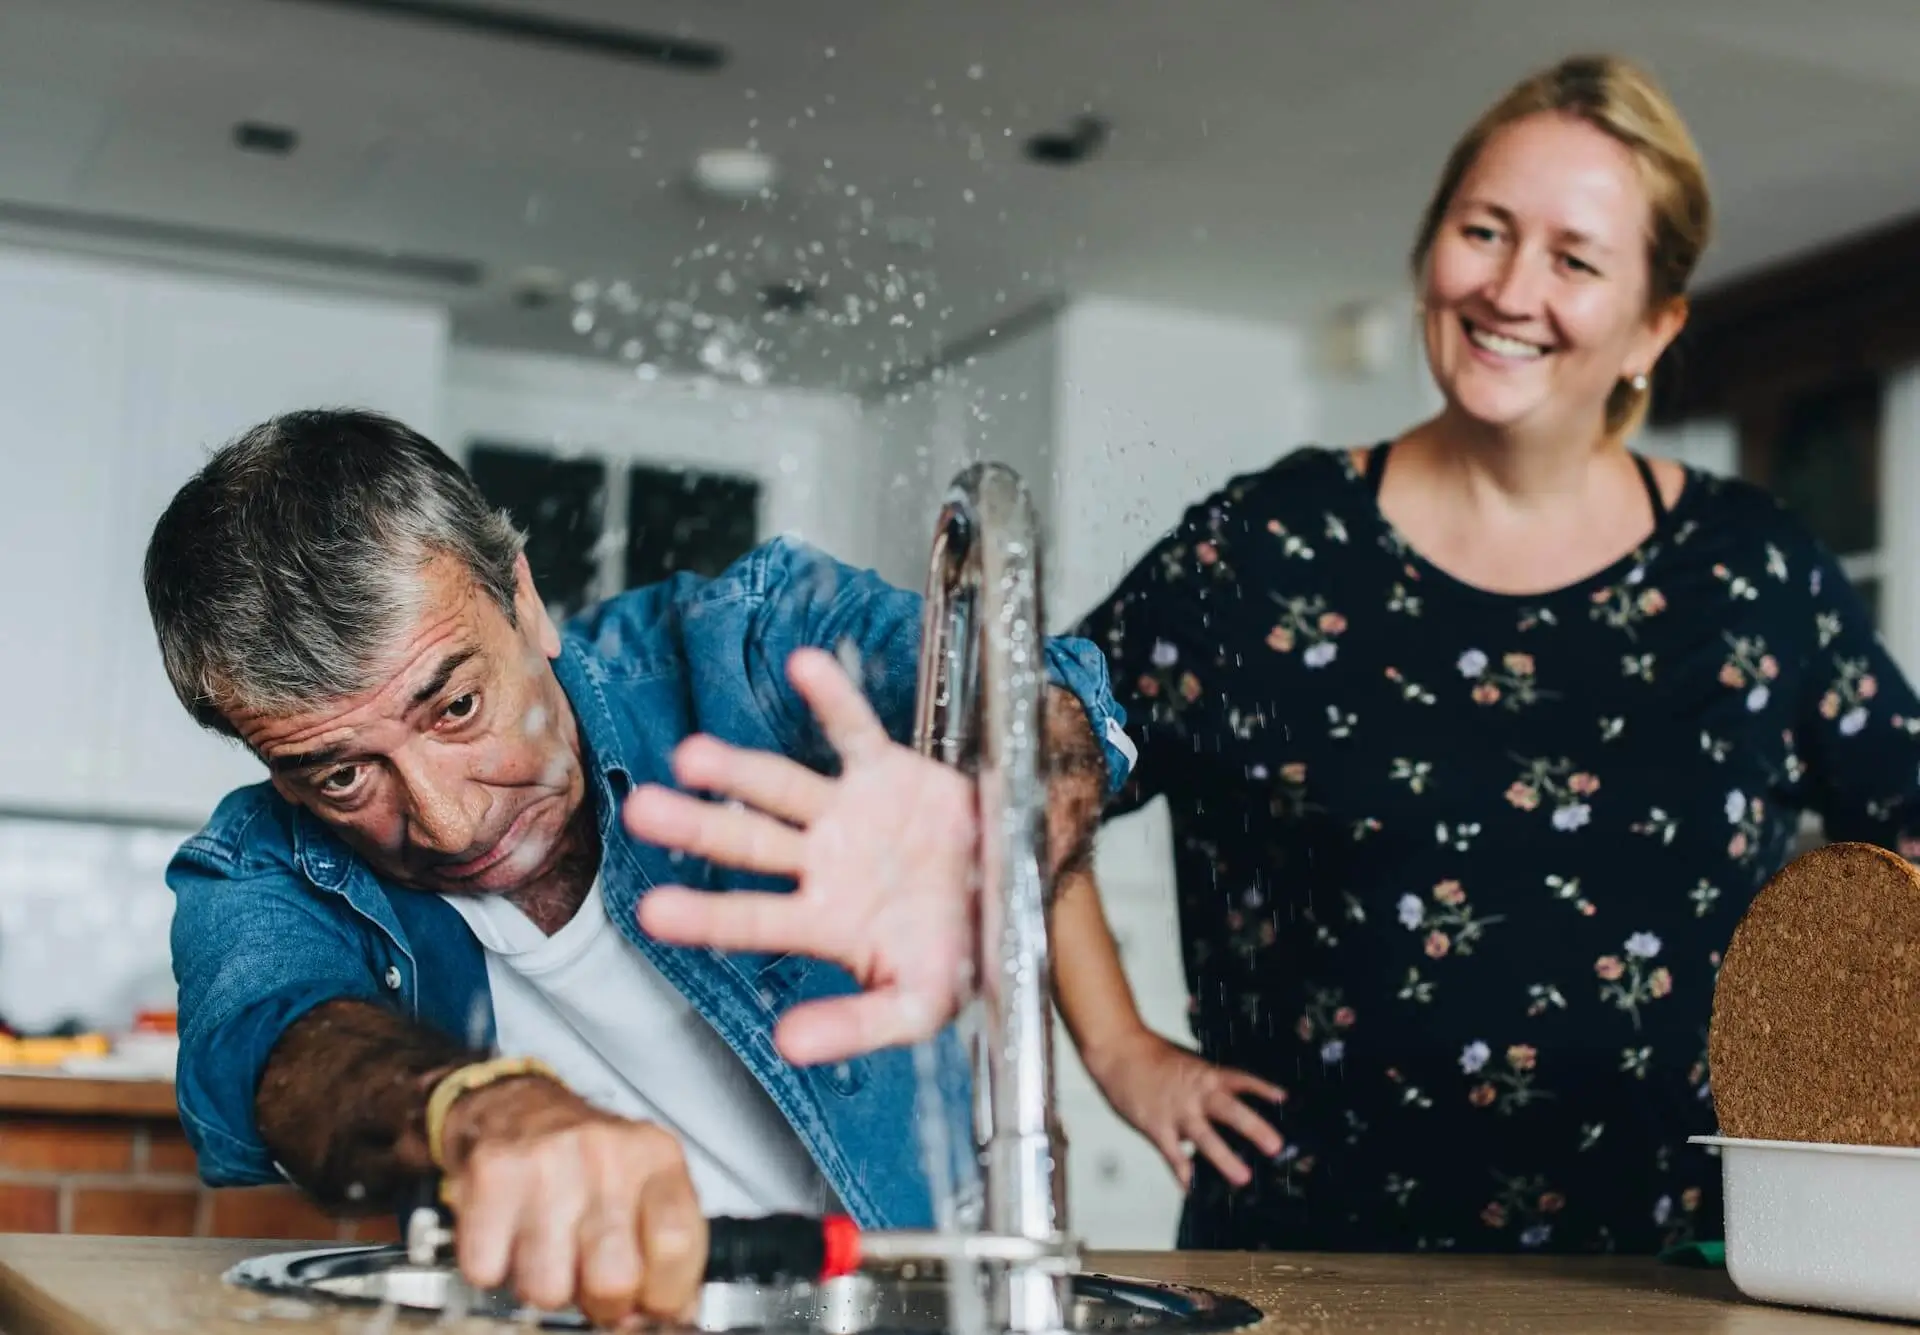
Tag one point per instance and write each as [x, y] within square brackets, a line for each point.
[64, 1174]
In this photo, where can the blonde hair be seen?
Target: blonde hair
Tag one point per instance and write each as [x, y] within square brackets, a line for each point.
[1620, 99]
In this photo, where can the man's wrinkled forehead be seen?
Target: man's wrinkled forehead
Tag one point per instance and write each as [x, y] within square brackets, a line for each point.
[448, 630]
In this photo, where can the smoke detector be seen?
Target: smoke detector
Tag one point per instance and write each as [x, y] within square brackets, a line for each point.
[734, 173]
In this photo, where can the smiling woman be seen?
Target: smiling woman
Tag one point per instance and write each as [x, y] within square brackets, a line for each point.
[1475, 760]
[1616, 222]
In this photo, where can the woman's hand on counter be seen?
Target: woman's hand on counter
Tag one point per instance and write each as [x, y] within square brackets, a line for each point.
[1174, 1097]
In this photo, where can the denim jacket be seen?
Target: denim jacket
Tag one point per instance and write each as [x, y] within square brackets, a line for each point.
[275, 916]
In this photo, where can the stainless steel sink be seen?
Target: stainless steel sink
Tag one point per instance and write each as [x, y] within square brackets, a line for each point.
[908, 1299]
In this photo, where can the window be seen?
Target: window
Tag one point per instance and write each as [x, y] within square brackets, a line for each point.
[1818, 450]
[560, 504]
[698, 522]
[595, 527]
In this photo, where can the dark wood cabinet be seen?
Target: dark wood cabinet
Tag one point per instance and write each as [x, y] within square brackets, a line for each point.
[1799, 357]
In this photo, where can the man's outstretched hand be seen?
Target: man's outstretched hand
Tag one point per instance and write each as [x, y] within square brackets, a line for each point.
[883, 859]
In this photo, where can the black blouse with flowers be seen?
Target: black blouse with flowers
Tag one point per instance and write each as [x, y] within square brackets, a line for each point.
[1456, 868]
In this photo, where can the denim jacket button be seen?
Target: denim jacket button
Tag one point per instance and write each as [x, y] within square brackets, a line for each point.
[846, 1077]
[393, 978]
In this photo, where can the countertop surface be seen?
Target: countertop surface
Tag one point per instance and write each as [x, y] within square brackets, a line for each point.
[85, 1096]
[132, 1286]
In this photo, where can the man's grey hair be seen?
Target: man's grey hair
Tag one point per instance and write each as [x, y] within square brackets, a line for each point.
[287, 568]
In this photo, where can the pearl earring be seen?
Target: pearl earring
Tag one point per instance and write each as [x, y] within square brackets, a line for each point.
[1639, 383]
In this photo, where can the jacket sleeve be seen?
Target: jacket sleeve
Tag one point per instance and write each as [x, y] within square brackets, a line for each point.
[808, 599]
[252, 953]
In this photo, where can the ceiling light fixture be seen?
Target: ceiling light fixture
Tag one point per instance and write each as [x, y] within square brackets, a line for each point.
[734, 173]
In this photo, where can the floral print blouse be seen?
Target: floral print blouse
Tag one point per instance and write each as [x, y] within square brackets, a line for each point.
[1455, 868]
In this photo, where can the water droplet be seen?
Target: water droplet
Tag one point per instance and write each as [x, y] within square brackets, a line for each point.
[976, 71]
[583, 319]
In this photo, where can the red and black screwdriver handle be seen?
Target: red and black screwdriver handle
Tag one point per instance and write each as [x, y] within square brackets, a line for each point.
[781, 1247]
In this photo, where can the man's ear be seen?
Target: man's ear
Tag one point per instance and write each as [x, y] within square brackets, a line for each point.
[531, 612]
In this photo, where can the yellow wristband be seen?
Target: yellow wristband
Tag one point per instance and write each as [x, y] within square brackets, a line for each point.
[465, 1081]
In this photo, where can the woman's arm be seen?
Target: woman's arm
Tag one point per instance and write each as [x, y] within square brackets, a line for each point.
[1170, 1095]
[1162, 637]
[1090, 984]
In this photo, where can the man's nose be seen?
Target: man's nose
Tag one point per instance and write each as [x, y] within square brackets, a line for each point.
[445, 812]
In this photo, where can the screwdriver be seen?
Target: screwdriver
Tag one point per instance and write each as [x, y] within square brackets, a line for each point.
[789, 1247]
[795, 1247]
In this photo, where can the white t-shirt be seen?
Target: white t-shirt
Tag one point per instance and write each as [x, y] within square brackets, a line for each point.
[590, 1005]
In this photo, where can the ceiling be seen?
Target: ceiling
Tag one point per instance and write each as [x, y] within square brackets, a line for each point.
[1266, 159]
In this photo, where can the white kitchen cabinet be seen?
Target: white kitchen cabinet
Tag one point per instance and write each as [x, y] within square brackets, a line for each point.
[1121, 1193]
[115, 384]
[58, 435]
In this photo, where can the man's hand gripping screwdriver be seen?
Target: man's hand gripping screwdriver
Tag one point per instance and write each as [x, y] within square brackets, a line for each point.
[793, 1247]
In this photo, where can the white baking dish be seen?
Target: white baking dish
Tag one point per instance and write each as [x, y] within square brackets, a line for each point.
[1830, 1226]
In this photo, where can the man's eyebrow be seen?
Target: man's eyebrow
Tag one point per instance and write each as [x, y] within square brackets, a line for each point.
[442, 675]
[306, 760]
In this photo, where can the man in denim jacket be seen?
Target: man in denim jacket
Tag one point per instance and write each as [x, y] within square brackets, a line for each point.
[437, 868]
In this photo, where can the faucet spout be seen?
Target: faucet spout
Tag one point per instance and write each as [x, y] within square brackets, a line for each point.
[982, 685]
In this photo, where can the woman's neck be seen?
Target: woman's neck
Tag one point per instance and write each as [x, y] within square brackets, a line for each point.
[1521, 472]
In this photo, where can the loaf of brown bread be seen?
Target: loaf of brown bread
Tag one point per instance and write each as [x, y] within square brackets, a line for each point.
[1816, 1016]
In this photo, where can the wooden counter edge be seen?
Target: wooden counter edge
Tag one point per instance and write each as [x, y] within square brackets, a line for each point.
[26, 1307]
[81, 1096]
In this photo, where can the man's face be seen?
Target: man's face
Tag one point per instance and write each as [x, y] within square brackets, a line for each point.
[460, 771]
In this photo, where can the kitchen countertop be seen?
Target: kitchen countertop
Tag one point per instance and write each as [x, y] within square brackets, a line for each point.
[133, 1286]
[83, 1096]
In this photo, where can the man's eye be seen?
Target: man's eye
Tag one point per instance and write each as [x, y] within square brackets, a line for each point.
[463, 706]
[336, 783]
